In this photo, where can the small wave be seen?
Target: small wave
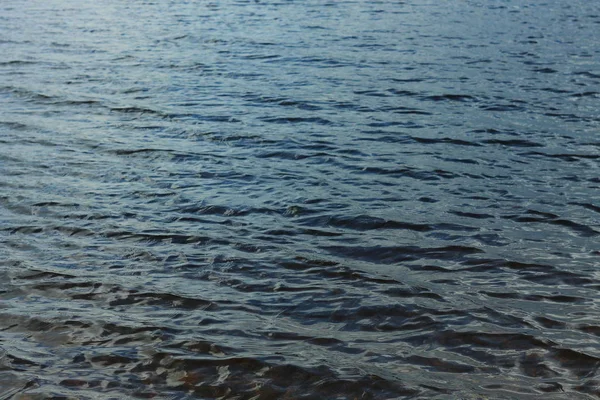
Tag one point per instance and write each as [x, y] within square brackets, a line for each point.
[298, 120]
[513, 142]
[17, 63]
[587, 74]
[134, 110]
[14, 125]
[565, 156]
[503, 107]
[545, 70]
[451, 97]
[362, 223]
[396, 254]
[445, 140]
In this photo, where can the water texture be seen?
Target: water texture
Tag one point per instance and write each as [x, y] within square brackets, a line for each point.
[299, 199]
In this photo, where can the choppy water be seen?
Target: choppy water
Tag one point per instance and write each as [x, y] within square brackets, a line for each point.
[299, 199]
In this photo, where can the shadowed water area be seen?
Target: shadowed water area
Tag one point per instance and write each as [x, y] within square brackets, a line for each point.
[299, 199]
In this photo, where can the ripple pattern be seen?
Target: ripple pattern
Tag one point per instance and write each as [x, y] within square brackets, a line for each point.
[299, 199]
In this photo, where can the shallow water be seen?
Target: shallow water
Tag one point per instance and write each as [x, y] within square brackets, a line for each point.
[299, 199]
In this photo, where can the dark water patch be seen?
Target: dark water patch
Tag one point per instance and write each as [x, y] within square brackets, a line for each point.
[545, 70]
[156, 238]
[378, 319]
[290, 155]
[560, 278]
[456, 339]
[298, 120]
[533, 365]
[463, 161]
[389, 124]
[592, 329]
[586, 94]
[29, 95]
[580, 364]
[565, 156]
[408, 80]
[472, 215]
[410, 173]
[439, 365]
[318, 62]
[408, 111]
[261, 56]
[362, 223]
[550, 323]
[203, 117]
[397, 254]
[83, 102]
[14, 125]
[134, 110]
[570, 117]
[403, 93]
[17, 63]
[588, 206]
[494, 131]
[587, 74]
[554, 90]
[333, 270]
[451, 97]
[413, 292]
[556, 299]
[127, 152]
[513, 143]
[157, 299]
[319, 232]
[205, 209]
[503, 107]
[444, 140]
[532, 216]
[299, 104]
[499, 265]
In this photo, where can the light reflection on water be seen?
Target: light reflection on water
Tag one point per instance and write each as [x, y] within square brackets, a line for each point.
[299, 200]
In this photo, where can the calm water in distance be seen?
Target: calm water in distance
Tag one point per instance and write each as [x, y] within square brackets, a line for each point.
[299, 199]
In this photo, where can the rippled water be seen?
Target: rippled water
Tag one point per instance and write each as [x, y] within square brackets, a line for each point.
[299, 199]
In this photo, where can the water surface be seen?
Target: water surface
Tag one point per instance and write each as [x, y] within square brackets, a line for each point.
[299, 199]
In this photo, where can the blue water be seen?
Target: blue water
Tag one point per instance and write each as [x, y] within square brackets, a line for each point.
[299, 199]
